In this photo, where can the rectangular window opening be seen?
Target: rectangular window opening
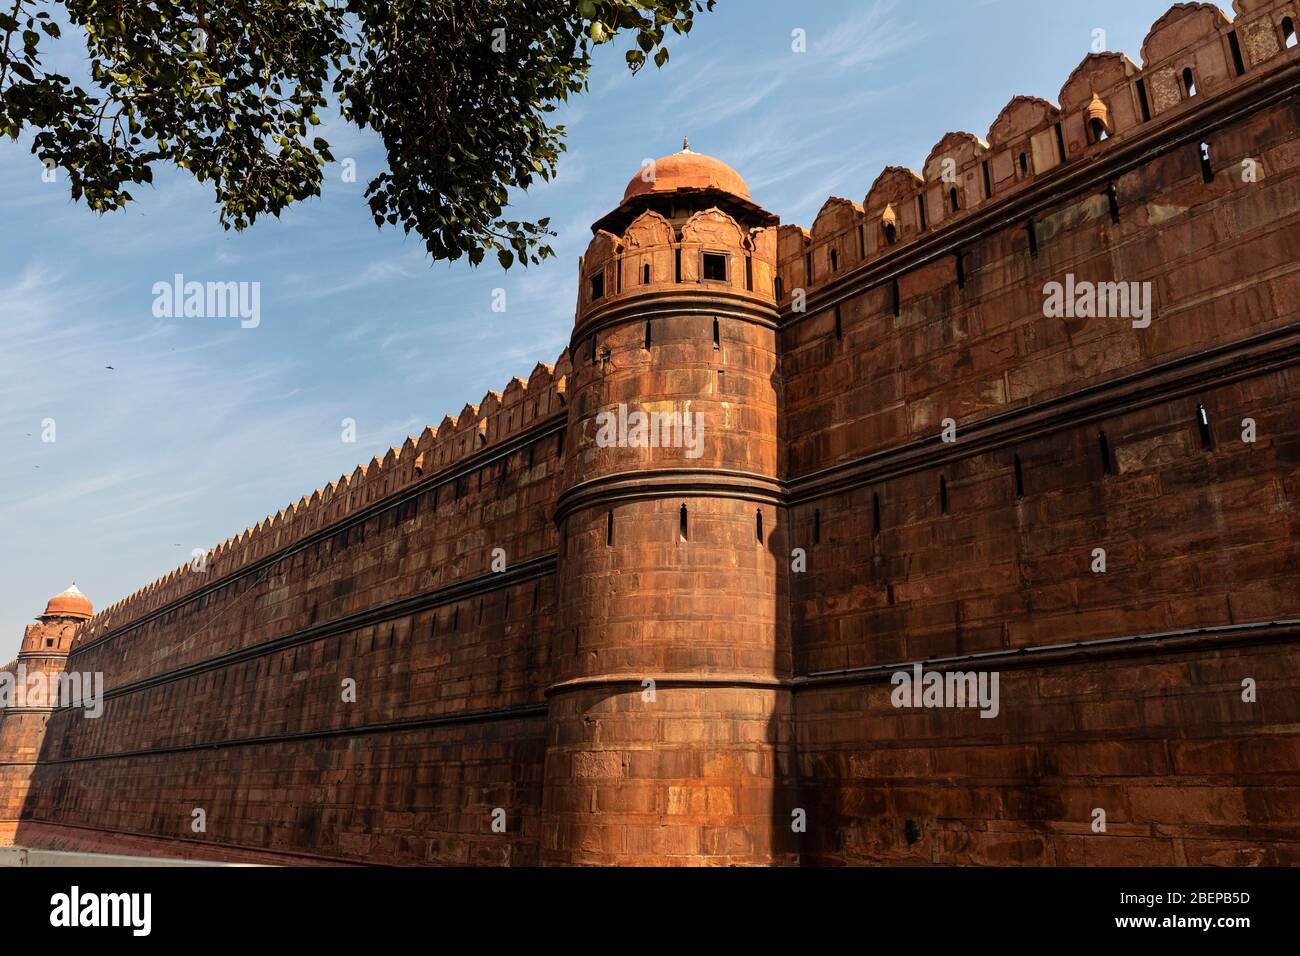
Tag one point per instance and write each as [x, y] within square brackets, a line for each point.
[1143, 105]
[714, 267]
[1020, 478]
[1238, 63]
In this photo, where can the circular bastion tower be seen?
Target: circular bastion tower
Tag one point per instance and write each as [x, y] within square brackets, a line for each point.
[669, 732]
[25, 703]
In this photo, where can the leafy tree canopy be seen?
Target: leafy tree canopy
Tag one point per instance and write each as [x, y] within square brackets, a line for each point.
[458, 91]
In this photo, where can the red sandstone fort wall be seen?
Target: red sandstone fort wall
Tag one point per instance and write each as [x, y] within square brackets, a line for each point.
[522, 689]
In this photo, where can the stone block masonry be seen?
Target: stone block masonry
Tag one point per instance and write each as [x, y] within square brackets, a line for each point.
[511, 643]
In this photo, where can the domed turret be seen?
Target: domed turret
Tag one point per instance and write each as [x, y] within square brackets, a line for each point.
[69, 603]
[681, 183]
[686, 170]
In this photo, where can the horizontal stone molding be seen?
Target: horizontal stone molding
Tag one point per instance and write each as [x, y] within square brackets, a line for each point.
[633, 682]
[657, 305]
[1248, 358]
[520, 712]
[669, 483]
[521, 573]
[1040, 655]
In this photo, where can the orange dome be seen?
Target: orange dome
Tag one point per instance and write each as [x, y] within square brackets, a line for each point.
[71, 603]
[687, 170]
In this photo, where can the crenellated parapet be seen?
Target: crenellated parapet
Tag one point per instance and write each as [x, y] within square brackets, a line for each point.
[496, 419]
[1193, 53]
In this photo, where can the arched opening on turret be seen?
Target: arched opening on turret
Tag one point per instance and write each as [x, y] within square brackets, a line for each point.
[682, 524]
[1288, 33]
[1189, 82]
[758, 525]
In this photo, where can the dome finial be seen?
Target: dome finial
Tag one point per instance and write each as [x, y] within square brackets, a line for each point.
[686, 145]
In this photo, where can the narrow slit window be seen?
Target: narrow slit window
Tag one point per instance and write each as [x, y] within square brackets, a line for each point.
[943, 495]
[715, 267]
[717, 334]
[1203, 427]
[1207, 170]
[597, 286]
[1020, 477]
[1060, 142]
[1189, 82]
[953, 204]
[758, 525]
[891, 233]
[1112, 199]
[988, 180]
[1097, 130]
[677, 264]
[749, 273]
[1024, 165]
[1234, 44]
[593, 348]
[875, 512]
[645, 274]
[807, 267]
[862, 242]
[961, 268]
[1103, 446]
[1288, 33]
[1031, 230]
[1143, 105]
[920, 212]
[682, 527]
[779, 288]
[648, 324]
[839, 324]
[835, 260]
[609, 529]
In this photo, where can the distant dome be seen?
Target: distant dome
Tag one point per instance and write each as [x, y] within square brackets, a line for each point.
[71, 603]
[688, 170]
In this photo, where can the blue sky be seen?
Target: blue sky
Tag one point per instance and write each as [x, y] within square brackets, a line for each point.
[203, 428]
